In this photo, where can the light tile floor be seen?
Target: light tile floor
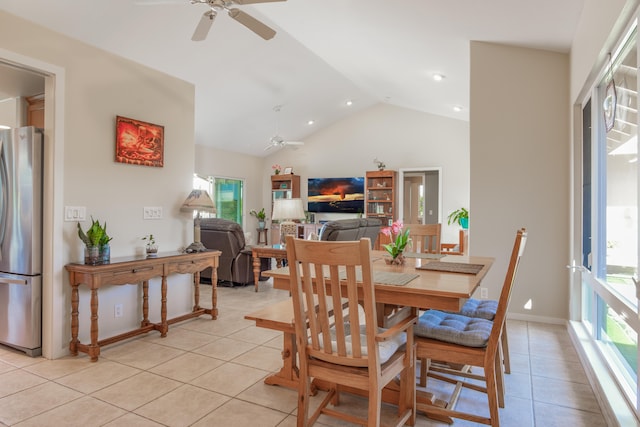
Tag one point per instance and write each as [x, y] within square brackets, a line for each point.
[210, 373]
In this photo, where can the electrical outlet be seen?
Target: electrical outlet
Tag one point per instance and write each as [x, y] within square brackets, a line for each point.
[152, 212]
[117, 310]
[484, 293]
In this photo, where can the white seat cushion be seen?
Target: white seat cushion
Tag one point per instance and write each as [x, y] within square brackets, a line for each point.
[453, 328]
[387, 348]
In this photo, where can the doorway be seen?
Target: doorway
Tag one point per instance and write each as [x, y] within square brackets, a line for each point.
[420, 193]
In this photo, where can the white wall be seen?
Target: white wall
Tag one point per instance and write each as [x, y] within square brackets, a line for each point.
[400, 137]
[97, 87]
[519, 171]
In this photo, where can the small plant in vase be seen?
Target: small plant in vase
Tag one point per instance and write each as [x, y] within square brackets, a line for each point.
[459, 216]
[152, 248]
[96, 242]
[400, 240]
[260, 216]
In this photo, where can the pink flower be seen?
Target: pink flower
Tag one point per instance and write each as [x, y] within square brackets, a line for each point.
[396, 227]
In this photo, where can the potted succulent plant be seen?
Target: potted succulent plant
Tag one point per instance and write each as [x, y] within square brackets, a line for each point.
[96, 242]
[460, 216]
[261, 216]
[152, 248]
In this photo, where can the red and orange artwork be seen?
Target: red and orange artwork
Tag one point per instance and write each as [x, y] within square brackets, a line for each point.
[139, 143]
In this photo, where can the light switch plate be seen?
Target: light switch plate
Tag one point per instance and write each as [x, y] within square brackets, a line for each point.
[152, 212]
[75, 213]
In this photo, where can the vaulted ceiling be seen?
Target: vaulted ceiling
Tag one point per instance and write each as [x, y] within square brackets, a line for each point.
[324, 54]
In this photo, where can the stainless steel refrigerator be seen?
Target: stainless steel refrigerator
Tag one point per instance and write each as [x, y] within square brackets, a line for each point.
[21, 162]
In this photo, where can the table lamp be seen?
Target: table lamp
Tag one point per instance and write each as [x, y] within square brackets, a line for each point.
[286, 210]
[197, 201]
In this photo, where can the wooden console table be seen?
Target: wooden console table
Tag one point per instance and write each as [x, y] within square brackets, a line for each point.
[134, 270]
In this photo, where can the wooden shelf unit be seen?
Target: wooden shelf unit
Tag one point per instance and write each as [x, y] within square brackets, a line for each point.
[381, 198]
[381, 189]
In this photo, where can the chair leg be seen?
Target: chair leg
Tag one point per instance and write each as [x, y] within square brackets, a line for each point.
[499, 377]
[303, 401]
[424, 363]
[375, 402]
[504, 342]
[492, 392]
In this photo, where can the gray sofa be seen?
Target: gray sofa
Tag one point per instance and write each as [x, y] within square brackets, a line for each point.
[236, 263]
[351, 229]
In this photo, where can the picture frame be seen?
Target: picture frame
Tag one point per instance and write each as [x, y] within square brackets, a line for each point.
[139, 143]
[288, 171]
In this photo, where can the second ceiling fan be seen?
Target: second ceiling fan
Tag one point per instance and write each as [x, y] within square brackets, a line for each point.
[276, 140]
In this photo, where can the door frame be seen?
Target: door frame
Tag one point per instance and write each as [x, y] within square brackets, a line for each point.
[401, 174]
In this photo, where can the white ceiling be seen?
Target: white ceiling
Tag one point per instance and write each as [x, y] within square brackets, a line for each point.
[325, 52]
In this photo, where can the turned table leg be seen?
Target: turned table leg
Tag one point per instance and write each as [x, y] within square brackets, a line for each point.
[164, 326]
[256, 270]
[75, 300]
[94, 348]
[145, 303]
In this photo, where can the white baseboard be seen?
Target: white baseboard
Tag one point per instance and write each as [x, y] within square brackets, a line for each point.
[539, 319]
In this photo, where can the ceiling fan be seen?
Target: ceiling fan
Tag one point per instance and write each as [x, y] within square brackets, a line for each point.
[276, 140]
[216, 6]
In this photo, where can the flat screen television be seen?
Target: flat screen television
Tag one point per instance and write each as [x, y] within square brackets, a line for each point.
[336, 195]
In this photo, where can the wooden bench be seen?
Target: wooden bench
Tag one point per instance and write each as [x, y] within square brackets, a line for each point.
[279, 317]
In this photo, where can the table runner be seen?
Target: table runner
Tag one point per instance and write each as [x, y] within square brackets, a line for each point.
[453, 267]
[422, 255]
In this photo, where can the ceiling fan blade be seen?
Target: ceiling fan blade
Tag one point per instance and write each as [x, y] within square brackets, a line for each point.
[294, 142]
[255, 1]
[252, 23]
[204, 26]
[269, 147]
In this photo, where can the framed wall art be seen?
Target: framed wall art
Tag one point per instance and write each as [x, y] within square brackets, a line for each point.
[139, 143]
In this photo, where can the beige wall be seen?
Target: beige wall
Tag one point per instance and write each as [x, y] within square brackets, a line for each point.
[519, 171]
[98, 86]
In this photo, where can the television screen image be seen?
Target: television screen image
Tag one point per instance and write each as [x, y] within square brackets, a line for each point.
[336, 195]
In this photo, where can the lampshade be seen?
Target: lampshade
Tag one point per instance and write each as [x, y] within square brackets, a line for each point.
[198, 200]
[287, 210]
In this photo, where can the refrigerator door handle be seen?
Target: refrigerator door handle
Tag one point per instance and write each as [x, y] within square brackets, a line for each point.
[8, 281]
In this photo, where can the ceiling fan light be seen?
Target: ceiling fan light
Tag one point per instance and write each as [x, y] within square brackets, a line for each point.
[349, 103]
[439, 77]
[311, 122]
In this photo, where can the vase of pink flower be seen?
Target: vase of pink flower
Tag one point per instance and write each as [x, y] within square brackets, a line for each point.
[276, 169]
[399, 242]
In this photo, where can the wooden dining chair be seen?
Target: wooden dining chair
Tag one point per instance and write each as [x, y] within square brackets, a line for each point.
[463, 340]
[425, 238]
[338, 340]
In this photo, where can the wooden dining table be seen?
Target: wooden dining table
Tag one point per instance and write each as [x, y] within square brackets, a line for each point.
[435, 289]
[408, 285]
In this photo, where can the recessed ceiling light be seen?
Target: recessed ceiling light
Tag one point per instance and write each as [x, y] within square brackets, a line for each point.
[439, 77]
[310, 122]
[349, 103]
[457, 108]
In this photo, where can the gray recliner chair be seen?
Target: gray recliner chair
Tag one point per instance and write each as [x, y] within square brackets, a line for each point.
[351, 229]
[236, 263]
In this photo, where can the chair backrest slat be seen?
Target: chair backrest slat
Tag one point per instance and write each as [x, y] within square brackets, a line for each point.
[425, 238]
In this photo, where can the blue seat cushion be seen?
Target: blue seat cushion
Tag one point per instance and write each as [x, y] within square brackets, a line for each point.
[453, 328]
[484, 309]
